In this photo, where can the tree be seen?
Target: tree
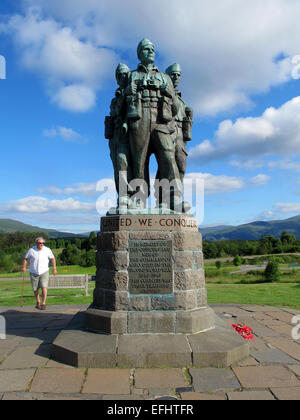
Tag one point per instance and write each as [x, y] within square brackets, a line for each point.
[287, 238]
[272, 271]
[92, 239]
[237, 261]
[218, 264]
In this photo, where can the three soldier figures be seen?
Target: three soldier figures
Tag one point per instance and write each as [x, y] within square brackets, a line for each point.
[148, 116]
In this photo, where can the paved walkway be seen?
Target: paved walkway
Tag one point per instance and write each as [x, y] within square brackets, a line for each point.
[272, 372]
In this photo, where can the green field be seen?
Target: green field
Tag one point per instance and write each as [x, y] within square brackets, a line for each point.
[70, 269]
[222, 287]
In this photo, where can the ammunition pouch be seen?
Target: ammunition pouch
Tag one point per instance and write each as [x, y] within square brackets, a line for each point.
[165, 110]
[187, 129]
[134, 111]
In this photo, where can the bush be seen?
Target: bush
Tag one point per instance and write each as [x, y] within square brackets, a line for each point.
[237, 261]
[272, 272]
[218, 264]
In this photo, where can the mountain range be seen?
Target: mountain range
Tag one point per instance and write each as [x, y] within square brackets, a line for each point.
[253, 230]
[11, 226]
[248, 231]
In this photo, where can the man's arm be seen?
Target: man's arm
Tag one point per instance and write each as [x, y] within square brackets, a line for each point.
[54, 266]
[24, 265]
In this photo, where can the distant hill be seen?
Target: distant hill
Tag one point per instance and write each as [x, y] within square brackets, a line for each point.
[11, 226]
[253, 231]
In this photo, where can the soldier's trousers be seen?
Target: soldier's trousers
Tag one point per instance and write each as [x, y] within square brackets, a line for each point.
[146, 137]
[120, 156]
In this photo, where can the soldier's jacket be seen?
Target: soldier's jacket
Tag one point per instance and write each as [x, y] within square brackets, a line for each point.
[117, 107]
[150, 87]
[181, 108]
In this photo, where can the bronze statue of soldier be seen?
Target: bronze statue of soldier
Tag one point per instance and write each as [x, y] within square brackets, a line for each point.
[116, 133]
[183, 122]
[152, 105]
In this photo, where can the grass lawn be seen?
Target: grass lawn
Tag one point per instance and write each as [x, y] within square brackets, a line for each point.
[222, 287]
[69, 269]
[271, 294]
[11, 290]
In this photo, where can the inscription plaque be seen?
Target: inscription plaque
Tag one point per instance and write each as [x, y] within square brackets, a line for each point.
[150, 267]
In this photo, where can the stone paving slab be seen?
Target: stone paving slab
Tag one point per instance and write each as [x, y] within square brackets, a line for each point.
[27, 357]
[295, 369]
[107, 381]
[15, 380]
[213, 379]
[159, 378]
[265, 377]
[250, 396]
[288, 346]
[30, 396]
[272, 356]
[287, 394]
[58, 381]
[201, 396]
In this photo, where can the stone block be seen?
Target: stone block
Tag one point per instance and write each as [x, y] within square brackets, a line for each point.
[140, 303]
[149, 222]
[116, 301]
[183, 260]
[153, 351]
[112, 241]
[112, 280]
[99, 298]
[84, 349]
[162, 302]
[117, 261]
[201, 296]
[151, 322]
[220, 347]
[187, 241]
[185, 300]
[149, 235]
[107, 322]
[197, 260]
[191, 322]
[189, 279]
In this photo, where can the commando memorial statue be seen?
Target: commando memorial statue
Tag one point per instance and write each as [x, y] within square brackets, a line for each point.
[149, 305]
[148, 116]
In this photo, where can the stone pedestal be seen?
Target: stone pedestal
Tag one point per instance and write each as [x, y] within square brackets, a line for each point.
[150, 303]
[150, 277]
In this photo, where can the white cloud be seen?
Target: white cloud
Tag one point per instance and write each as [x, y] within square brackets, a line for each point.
[82, 188]
[66, 134]
[216, 184]
[260, 180]
[76, 98]
[247, 164]
[73, 69]
[277, 131]
[286, 208]
[285, 165]
[227, 51]
[43, 205]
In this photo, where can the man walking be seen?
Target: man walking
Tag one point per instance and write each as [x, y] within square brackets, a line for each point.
[39, 257]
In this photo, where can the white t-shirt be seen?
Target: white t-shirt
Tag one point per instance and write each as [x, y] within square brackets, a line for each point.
[39, 260]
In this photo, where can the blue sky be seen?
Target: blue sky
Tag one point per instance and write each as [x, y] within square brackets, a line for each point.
[240, 75]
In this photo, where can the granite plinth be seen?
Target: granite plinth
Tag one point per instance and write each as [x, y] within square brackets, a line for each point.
[219, 347]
